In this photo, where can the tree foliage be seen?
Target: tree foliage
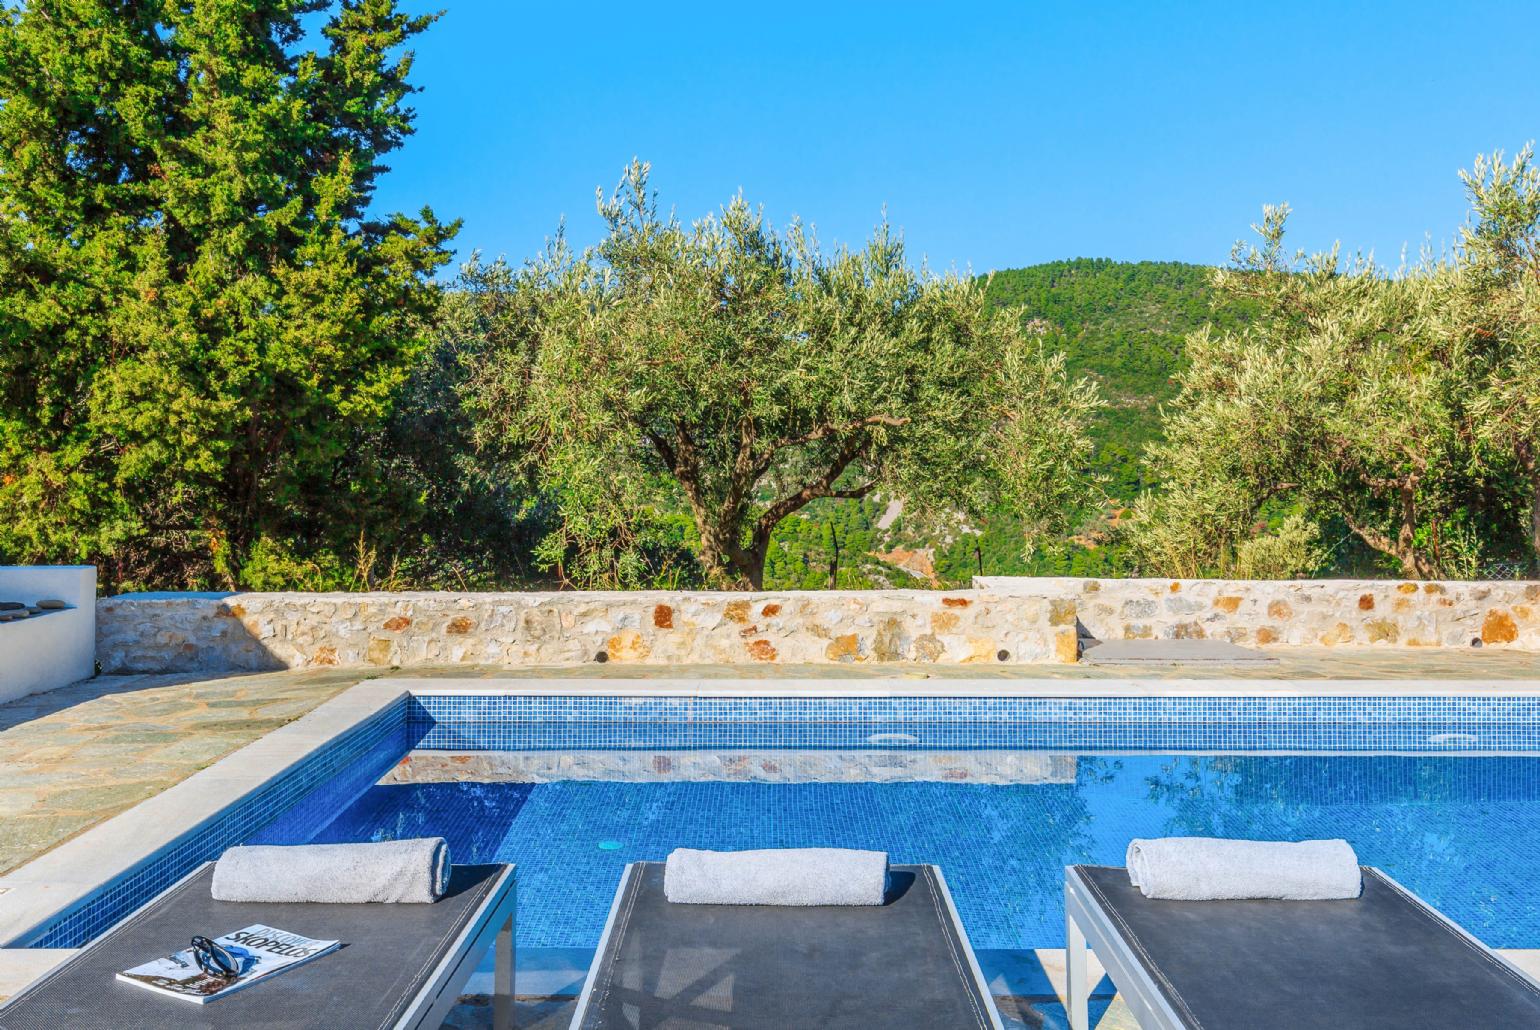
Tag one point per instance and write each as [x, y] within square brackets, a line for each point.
[201, 321]
[1396, 404]
[741, 374]
[1500, 310]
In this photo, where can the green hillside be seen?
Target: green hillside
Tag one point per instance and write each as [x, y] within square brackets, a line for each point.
[1123, 324]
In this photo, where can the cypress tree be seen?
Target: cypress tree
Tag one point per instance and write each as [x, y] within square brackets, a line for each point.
[201, 316]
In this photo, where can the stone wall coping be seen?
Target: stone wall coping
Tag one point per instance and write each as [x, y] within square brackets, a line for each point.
[997, 621]
[913, 687]
[1015, 583]
[536, 595]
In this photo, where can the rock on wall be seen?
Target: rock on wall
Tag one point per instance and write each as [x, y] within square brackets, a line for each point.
[1306, 612]
[206, 632]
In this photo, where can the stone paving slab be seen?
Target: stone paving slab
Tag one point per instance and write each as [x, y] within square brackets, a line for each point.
[73, 757]
[1169, 652]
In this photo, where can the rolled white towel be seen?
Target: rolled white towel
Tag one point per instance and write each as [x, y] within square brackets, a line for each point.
[1214, 869]
[785, 876]
[414, 871]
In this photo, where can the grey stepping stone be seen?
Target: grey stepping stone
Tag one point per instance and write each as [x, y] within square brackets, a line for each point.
[1170, 652]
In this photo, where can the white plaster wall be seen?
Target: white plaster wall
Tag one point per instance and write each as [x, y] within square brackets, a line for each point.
[51, 650]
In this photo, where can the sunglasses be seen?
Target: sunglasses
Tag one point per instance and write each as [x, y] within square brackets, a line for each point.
[215, 960]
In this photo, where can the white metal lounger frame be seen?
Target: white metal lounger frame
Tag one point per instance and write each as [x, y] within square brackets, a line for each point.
[492, 928]
[1086, 923]
[946, 894]
[597, 964]
[973, 959]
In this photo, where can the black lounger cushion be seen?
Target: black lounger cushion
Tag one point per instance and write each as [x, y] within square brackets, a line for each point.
[900, 965]
[1382, 961]
[388, 952]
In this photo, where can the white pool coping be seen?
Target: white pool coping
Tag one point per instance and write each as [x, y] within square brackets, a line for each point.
[63, 877]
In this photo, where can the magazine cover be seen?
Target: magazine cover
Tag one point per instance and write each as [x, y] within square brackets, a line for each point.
[260, 951]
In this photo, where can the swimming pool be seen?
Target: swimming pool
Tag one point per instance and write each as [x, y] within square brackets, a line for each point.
[1462, 832]
[1001, 791]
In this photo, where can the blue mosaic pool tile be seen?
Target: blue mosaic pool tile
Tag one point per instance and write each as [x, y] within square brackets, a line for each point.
[458, 722]
[308, 792]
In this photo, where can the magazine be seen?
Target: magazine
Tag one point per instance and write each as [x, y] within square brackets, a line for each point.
[261, 951]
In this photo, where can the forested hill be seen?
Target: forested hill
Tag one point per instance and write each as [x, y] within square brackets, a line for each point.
[1122, 323]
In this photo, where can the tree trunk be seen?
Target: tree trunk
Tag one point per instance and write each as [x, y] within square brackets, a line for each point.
[728, 563]
[727, 566]
[1530, 462]
[1414, 564]
[1534, 522]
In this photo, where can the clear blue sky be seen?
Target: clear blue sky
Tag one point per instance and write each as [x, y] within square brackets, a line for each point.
[995, 134]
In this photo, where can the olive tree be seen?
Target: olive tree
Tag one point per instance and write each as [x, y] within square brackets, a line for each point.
[1401, 405]
[742, 374]
[1500, 310]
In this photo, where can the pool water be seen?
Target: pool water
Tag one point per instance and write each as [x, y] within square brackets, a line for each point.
[1464, 833]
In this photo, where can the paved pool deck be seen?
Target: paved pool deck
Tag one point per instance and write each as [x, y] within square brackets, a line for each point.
[73, 757]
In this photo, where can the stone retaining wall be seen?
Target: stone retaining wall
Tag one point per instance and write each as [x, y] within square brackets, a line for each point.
[1003, 619]
[205, 632]
[1305, 612]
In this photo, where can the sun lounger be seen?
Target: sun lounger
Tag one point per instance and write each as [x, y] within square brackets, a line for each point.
[1382, 960]
[904, 964]
[399, 965]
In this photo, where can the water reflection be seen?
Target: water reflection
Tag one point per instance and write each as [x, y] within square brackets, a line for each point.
[1462, 832]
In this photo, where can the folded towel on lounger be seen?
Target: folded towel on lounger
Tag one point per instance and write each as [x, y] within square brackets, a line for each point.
[399, 870]
[787, 876]
[1212, 869]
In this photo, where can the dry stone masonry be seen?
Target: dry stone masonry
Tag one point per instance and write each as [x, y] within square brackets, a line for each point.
[1300, 613]
[1002, 620]
[155, 633]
